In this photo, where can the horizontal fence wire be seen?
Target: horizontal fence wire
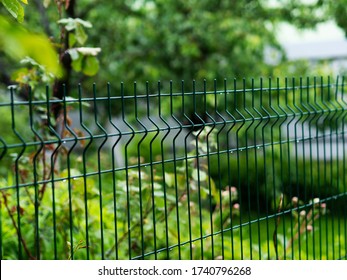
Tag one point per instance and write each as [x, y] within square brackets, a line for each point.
[239, 169]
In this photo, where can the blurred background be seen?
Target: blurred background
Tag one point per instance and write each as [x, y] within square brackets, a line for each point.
[151, 40]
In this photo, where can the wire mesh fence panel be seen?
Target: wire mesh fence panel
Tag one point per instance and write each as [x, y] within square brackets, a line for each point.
[240, 169]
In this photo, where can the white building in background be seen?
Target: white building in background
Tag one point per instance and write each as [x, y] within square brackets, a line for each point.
[333, 51]
[326, 42]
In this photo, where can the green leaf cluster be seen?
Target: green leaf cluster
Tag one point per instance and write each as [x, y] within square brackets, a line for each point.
[83, 58]
[15, 8]
[77, 26]
[33, 74]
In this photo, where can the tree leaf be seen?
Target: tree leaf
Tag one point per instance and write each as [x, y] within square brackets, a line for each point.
[15, 9]
[77, 64]
[81, 36]
[70, 23]
[46, 3]
[84, 23]
[73, 53]
[89, 51]
[199, 175]
[72, 39]
[90, 65]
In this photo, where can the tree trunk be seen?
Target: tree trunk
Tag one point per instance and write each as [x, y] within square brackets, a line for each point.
[63, 84]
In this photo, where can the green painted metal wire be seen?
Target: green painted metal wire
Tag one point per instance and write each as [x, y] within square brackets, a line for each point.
[19, 231]
[250, 169]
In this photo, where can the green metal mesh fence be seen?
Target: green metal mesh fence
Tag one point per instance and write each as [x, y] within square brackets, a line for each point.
[241, 169]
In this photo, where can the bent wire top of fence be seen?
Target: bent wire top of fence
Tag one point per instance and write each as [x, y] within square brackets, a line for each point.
[250, 169]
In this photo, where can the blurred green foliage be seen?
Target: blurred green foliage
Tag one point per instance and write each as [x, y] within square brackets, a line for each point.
[17, 43]
[174, 40]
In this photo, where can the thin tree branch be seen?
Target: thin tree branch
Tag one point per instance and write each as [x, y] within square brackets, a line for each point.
[15, 226]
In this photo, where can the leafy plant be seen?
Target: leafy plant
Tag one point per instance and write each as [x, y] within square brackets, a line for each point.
[15, 8]
[83, 58]
[303, 223]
